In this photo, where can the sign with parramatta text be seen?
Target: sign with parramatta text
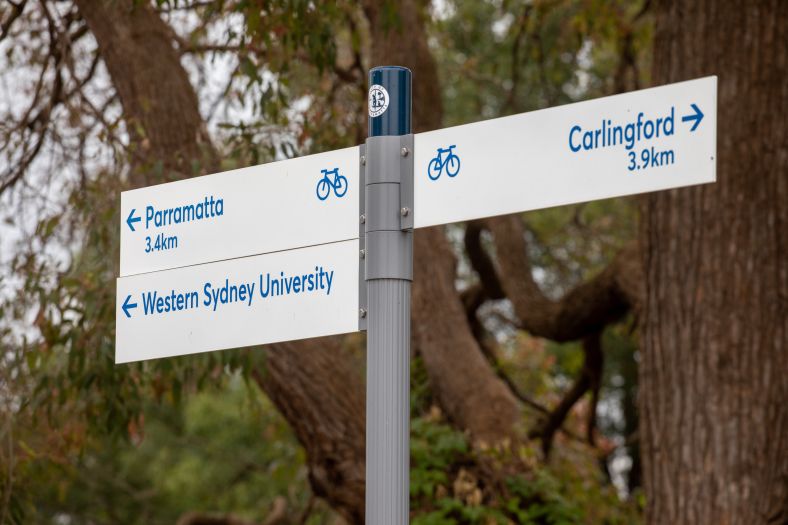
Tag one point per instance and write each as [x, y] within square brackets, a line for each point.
[261, 209]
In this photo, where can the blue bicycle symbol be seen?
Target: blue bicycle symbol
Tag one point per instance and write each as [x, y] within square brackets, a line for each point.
[450, 162]
[326, 184]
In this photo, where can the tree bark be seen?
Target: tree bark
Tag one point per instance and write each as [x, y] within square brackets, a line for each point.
[167, 134]
[713, 382]
[321, 394]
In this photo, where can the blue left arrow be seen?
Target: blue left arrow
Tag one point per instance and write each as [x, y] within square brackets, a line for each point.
[697, 117]
[132, 219]
[128, 306]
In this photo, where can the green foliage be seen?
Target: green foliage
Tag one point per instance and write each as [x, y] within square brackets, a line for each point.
[499, 58]
[540, 500]
[224, 450]
[421, 398]
[72, 362]
[288, 52]
[449, 484]
[439, 454]
[434, 449]
[570, 244]
[450, 511]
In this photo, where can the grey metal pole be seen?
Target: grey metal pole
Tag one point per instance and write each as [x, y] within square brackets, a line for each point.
[389, 272]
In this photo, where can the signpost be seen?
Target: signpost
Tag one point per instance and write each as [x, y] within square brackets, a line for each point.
[323, 244]
[389, 272]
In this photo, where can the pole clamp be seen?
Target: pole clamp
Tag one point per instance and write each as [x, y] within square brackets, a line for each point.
[389, 210]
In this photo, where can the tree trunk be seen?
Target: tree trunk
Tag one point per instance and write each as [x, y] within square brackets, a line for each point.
[321, 394]
[166, 131]
[713, 377]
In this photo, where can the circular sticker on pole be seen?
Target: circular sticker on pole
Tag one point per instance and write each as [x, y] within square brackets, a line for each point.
[378, 100]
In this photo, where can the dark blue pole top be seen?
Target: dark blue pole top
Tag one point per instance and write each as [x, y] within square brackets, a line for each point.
[389, 101]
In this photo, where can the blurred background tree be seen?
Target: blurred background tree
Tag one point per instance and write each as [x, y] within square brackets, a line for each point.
[524, 391]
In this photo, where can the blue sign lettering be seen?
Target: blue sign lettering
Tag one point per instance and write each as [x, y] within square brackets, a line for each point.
[208, 208]
[610, 134]
[231, 292]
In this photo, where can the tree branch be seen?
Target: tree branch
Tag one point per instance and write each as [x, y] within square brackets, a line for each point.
[186, 47]
[510, 104]
[584, 310]
[474, 297]
[595, 386]
[591, 373]
[481, 261]
[17, 8]
[38, 122]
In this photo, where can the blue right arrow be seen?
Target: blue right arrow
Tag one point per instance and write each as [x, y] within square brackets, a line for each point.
[131, 219]
[128, 306]
[697, 117]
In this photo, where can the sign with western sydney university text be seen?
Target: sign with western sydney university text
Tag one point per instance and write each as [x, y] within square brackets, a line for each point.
[280, 296]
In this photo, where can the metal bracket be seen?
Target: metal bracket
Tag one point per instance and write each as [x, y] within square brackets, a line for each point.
[389, 246]
[363, 307]
[406, 182]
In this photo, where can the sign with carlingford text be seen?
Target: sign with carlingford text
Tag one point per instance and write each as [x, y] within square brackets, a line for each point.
[648, 140]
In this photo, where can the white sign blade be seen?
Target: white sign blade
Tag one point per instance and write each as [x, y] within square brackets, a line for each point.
[295, 294]
[278, 206]
[637, 142]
